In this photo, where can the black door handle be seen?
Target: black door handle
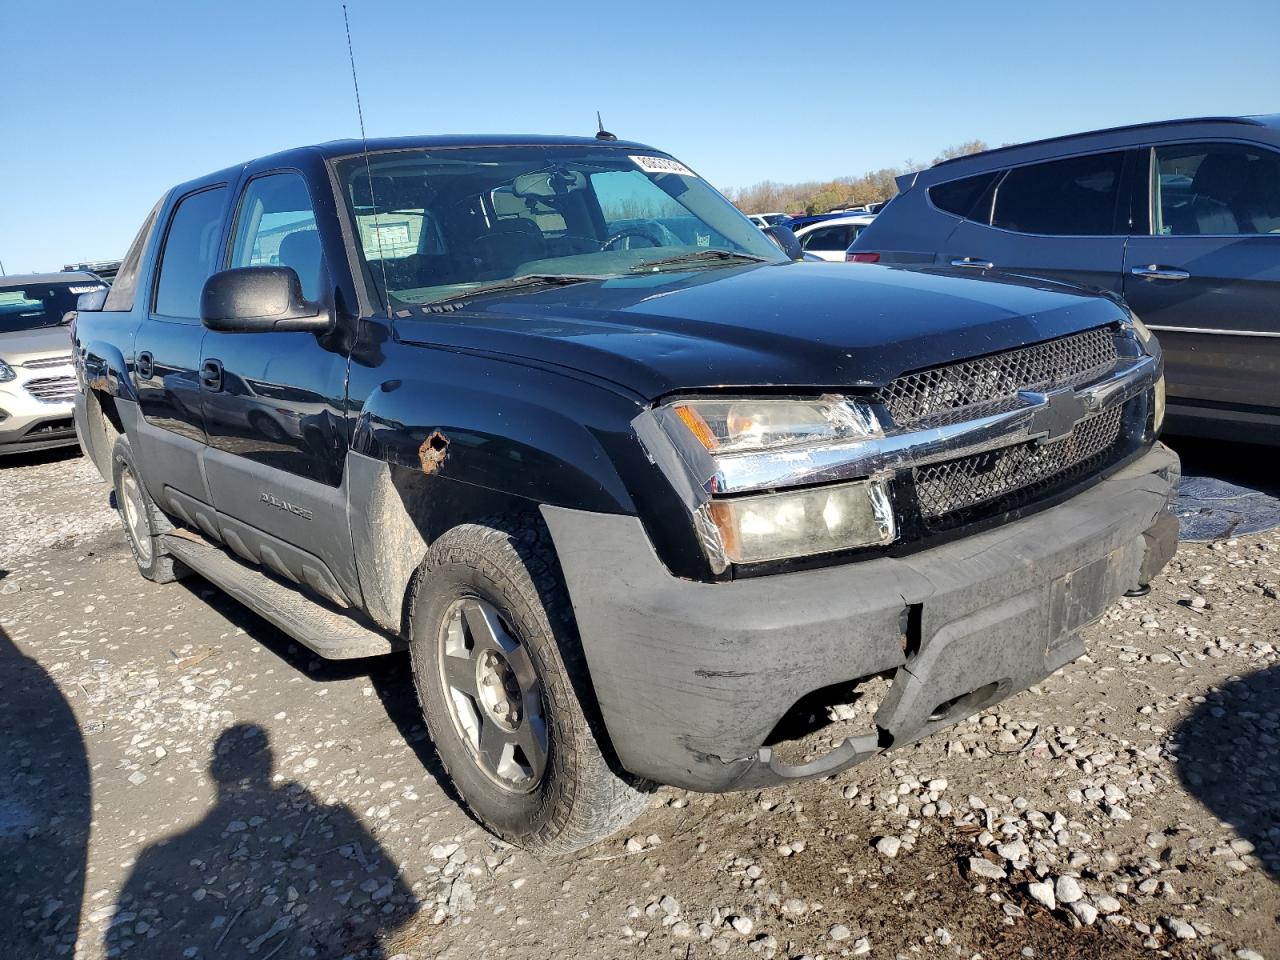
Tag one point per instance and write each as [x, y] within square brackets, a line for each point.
[211, 374]
[145, 365]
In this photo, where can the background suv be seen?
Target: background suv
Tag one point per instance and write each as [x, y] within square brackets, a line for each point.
[1181, 218]
[37, 381]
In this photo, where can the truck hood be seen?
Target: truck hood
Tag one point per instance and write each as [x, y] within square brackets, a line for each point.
[22, 345]
[804, 325]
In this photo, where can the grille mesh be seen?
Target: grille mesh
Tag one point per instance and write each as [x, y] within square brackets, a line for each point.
[52, 389]
[974, 388]
[951, 492]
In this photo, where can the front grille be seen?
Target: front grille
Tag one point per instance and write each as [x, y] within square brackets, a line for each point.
[45, 363]
[976, 388]
[957, 491]
[52, 389]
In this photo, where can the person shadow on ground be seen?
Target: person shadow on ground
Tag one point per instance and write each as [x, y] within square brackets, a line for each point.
[270, 870]
[1228, 757]
[44, 811]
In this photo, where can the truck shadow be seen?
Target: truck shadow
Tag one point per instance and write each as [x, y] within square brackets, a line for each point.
[45, 810]
[390, 676]
[1228, 757]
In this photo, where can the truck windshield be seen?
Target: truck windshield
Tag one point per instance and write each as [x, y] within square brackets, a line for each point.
[29, 306]
[438, 224]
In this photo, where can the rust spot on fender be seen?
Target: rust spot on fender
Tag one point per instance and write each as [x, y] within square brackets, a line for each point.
[433, 451]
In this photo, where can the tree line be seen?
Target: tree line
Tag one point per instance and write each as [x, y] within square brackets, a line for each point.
[818, 196]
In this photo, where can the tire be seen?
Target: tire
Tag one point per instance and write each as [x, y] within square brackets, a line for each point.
[551, 794]
[143, 521]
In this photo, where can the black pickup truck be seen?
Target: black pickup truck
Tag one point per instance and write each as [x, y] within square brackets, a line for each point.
[634, 487]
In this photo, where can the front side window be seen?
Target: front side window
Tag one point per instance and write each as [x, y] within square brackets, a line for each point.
[276, 226]
[828, 239]
[190, 253]
[1211, 189]
[1073, 197]
[435, 224]
[30, 306]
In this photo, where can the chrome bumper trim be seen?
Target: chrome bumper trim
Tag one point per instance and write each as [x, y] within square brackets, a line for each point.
[1042, 415]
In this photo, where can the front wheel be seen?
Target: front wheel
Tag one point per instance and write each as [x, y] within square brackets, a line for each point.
[498, 672]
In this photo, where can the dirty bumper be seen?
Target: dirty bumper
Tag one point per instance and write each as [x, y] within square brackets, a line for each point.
[692, 677]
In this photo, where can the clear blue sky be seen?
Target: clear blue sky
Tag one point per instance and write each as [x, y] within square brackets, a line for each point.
[104, 105]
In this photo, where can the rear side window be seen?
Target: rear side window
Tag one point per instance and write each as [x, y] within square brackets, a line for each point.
[1074, 197]
[123, 287]
[828, 239]
[965, 198]
[190, 253]
[1214, 189]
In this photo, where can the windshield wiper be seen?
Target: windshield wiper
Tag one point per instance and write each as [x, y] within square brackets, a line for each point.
[515, 283]
[698, 256]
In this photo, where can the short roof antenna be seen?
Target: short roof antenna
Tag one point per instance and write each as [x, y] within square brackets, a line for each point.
[601, 132]
[364, 145]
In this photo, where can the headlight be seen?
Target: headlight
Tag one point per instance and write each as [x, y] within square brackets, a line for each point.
[732, 426]
[777, 526]
[6, 372]
[783, 524]
[1157, 405]
[1141, 329]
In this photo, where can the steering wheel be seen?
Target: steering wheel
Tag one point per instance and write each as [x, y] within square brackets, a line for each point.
[641, 232]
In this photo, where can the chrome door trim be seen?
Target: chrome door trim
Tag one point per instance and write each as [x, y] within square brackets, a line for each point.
[1216, 331]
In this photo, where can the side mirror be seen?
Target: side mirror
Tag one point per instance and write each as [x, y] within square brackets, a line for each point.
[786, 241]
[259, 300]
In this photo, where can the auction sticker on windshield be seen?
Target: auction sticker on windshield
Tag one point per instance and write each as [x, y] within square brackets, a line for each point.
[662, 165]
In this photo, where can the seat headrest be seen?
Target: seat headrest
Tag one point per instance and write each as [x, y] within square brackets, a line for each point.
[301, 250]
[1221, 176]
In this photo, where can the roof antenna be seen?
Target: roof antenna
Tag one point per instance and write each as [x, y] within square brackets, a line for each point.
[364, 145]
[601, 132]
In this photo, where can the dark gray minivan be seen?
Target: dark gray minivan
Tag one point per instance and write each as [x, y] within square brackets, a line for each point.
[1181, 218]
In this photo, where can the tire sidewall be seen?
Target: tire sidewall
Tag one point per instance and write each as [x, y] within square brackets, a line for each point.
[515, 817]
[122, 460]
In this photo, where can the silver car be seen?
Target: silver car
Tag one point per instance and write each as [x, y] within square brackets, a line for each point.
[37, 381]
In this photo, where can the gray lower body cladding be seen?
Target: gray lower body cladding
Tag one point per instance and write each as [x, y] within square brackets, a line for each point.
[691, 678]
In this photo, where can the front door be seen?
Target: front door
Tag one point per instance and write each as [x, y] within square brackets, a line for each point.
[1207, 278]
[274, 402]
[166, 353]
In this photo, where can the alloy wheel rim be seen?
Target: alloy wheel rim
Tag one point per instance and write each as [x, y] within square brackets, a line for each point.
[135, 515]
[494, 695]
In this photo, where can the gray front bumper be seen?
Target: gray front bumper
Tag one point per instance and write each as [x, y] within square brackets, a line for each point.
[692, 677]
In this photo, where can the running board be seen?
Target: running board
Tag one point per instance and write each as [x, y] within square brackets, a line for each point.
[332, 635]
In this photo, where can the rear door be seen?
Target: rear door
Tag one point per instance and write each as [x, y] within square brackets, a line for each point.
[167, 346]
[1207, 275]
[1065, 219]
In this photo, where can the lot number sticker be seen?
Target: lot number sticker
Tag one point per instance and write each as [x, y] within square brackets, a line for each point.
[662, 165]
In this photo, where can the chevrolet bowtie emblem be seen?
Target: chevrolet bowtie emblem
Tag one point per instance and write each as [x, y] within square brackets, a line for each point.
[1053, 414]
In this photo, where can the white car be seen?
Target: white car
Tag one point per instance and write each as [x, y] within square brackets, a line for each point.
[829, 239]
[763, 220]
[37, 380]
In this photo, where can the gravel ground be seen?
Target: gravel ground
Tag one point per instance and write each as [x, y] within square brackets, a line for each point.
[178, 779]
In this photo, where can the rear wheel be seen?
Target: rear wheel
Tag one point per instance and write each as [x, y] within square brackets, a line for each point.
[498, 670]
[143, 521]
